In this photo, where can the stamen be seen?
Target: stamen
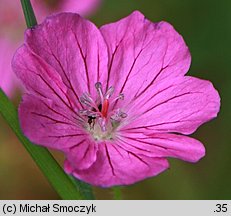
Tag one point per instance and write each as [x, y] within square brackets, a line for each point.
[109, 93]
[123, 115]
[119, 97]
[102, 123]
[93, 114]
[118, 115]
[97, 113]
[87, 100]
[98, 87]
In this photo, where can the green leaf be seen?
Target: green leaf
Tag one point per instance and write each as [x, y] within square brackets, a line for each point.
[28, 13]
[42, 157]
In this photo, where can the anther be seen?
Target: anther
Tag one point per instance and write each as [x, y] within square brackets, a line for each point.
[99, 113]
[119, 97]
[123, 115]
[118, 115]
[98, 86]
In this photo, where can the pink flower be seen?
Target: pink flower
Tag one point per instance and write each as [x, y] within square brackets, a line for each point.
[11, 13]
[8, 80]
[112, 99]
[82, 7]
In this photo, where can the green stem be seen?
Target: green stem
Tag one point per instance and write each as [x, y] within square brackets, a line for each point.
[42, 157]
[28, 13]
[117, 194]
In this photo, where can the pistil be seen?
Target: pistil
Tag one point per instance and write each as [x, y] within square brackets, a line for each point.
[98, 114]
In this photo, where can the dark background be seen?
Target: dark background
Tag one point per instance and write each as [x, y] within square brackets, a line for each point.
[206, 28]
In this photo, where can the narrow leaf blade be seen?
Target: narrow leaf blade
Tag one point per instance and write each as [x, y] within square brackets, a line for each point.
[28, 13]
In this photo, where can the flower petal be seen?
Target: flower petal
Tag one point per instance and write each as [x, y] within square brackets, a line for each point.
[38, 77]
[174, 105]
[162, 145]
[141, 53]
[74, 48]
[47, 124]
[83, 154]
[117, 166]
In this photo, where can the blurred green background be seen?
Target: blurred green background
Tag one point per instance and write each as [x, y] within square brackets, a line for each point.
[206, 28]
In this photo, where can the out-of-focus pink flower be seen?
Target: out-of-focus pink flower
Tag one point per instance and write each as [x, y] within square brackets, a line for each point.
[82, 7]
[112, 99]
[12, 24]
[10, 14]
[8, 80]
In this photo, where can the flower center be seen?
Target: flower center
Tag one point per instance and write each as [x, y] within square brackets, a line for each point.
[100, 119]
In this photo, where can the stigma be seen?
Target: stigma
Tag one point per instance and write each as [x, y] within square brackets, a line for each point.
[99, 116]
